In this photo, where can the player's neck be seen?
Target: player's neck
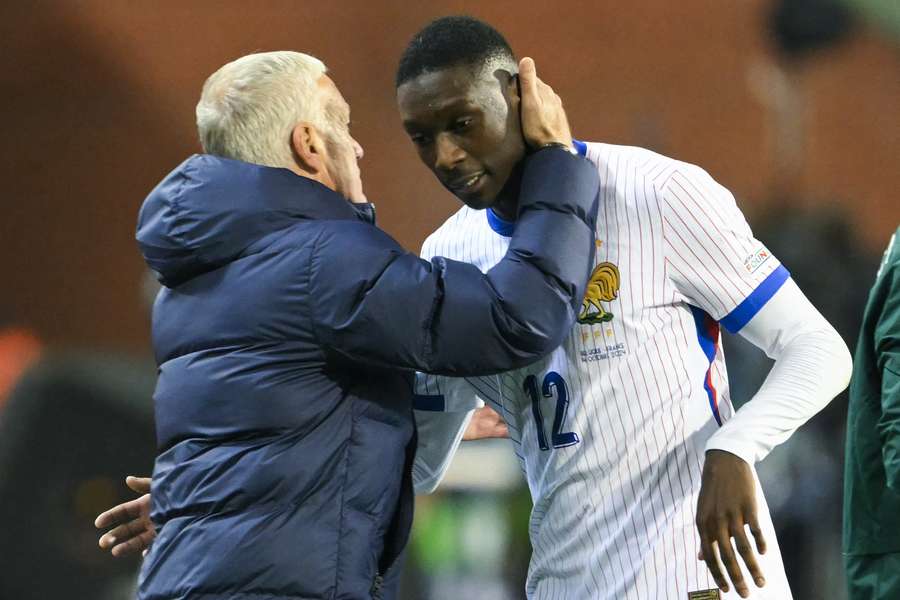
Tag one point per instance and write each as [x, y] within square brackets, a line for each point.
[506, 208]
[507, 204]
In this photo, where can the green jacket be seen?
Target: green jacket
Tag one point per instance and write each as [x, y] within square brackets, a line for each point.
[872, 467]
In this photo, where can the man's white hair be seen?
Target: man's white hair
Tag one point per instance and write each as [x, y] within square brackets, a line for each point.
[249, 107]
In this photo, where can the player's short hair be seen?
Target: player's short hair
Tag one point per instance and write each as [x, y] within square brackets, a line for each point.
[249, 107]
[454, 41]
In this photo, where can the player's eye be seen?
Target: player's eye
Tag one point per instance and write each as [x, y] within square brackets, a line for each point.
[419, 139]
[462, 124]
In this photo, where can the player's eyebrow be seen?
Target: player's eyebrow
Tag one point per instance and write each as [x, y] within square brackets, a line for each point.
[436, 110]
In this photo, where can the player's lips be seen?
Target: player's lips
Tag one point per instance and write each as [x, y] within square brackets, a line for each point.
[466, 184]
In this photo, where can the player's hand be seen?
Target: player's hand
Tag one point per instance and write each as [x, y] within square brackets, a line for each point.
[727, 503]
[543, 118]
[486, 423]
[130, 528]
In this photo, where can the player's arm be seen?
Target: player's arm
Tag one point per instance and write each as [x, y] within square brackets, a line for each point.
[448, 317]
[718, 267]
[887, 351]
[812, 365]
[443, 407]
[439, 435]
[448, 411]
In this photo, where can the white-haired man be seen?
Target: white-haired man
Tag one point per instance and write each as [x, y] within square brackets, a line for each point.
[288, 327]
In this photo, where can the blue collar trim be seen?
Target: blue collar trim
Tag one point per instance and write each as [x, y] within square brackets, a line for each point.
[580, 147]
[501, 226]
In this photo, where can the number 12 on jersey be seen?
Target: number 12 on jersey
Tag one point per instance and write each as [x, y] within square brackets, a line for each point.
[553, 381]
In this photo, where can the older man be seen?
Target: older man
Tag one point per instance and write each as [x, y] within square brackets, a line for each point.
[288, 328]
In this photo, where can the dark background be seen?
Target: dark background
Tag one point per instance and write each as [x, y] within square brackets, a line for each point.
[98, 98]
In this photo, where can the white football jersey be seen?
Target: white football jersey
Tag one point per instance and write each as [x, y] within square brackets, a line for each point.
[611, 427]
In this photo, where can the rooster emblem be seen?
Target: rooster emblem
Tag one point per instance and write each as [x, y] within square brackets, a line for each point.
[603, 286]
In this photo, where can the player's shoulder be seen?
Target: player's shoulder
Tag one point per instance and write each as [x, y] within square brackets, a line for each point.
[645, 165]
[455, 228]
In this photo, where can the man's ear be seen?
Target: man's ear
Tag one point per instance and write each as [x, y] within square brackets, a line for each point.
[307, 146]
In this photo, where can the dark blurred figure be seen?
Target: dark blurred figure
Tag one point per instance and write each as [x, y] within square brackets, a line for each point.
[872, 472]
[801, 27]
[70, 427]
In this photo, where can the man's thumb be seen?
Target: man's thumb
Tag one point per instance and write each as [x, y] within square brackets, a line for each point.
[527, 72]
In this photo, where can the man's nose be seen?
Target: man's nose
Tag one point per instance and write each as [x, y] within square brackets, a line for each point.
[447, 153]
[358, 150]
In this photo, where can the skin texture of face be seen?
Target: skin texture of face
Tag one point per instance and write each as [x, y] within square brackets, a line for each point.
[465, 126]
[341, 151]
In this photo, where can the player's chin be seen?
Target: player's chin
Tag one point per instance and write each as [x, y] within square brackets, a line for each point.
[477, 203]
[480, 200]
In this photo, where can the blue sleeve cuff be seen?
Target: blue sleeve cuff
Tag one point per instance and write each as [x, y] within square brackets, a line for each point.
[431, 402]
[746, 310]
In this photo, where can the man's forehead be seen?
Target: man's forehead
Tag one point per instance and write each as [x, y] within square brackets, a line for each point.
[331, 94]
[441, 89]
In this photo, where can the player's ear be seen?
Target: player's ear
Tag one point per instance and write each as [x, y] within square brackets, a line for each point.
[513, 91]
[307, 147]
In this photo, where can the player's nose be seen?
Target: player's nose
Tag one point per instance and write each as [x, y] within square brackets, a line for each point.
[358, 149]
[447, 153]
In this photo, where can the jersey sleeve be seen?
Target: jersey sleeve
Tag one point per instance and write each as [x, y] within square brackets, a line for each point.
[443, 409]
[712, 257]
[438, 393]
[812, 366]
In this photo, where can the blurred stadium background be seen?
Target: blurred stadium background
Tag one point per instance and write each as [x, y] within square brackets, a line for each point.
[792, 104]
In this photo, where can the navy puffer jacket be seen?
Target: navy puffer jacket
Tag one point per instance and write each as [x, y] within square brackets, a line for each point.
[286, 334]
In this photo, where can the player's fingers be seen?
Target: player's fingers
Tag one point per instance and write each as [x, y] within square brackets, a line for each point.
[712, 562]
[141, 485]
[117, 514]
[528, 78]
[756, 530]
[726, 551]
[119, 534]
[107, 540]
[747, 555]
[133, 546]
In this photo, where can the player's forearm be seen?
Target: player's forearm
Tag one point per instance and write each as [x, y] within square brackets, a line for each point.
[812, 366]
